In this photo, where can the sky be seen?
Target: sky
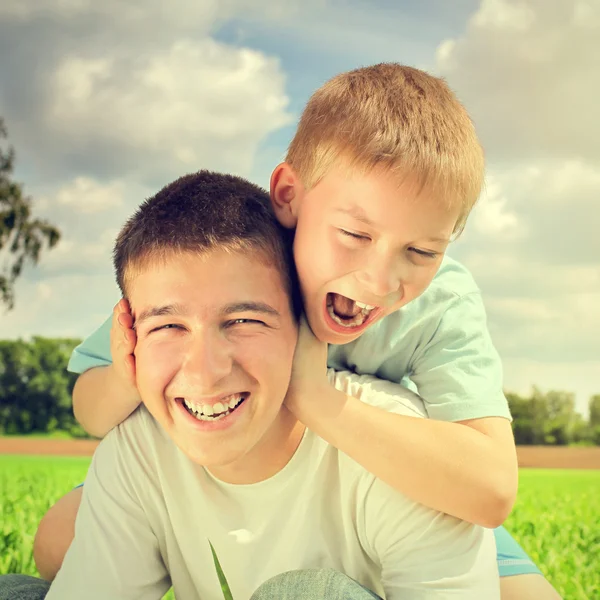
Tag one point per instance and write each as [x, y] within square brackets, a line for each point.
[106, 103]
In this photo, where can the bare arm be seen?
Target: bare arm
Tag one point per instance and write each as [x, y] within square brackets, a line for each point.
[468, 469]
[105, 396]
[101, 400]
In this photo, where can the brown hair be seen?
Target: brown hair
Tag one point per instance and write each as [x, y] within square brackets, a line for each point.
[396, 117]
[201, 212]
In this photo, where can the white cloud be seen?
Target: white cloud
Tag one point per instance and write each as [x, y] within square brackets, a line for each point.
[68, 305]
[198, 104]
[533, 247]
[156, 14]
[86, 196]
[491, 215]
[528, 72]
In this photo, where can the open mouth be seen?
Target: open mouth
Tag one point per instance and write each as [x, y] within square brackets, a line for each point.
[213, 412]
[348, 313]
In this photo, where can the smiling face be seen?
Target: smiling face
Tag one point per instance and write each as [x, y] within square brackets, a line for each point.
[365, 245]
[216, 339]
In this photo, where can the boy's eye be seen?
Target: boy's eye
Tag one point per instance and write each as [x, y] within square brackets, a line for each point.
[354, 235]
[424, 252]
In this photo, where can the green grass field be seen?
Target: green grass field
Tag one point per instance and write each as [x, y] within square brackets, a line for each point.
[556, 518]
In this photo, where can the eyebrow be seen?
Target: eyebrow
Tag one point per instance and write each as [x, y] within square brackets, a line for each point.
[356, 213]
[235, 307]
[256, 307]
[158, 311]
[441, 240]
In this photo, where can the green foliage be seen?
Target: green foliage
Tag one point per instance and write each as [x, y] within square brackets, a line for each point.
[222, 579]
[29, 486]
[22, 237]
[595, 411]
[35, 387]
[549, 419]
[555, 519]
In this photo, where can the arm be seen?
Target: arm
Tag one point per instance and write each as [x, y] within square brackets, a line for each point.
[115, 553]
[105, 393]
[101, 400]
[467, 469]
[464, 469]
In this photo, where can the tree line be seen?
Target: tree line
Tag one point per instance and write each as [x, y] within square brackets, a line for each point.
[35, 397]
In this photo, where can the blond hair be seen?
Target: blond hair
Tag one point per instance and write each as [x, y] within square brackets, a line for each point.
[396, 117]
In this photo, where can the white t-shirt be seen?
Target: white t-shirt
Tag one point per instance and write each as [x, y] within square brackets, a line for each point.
[148, 513]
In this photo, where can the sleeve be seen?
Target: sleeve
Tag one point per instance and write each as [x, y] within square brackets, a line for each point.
[114, 553]
[424, 553]
[94, 351]
[384, 394]
[458, 372]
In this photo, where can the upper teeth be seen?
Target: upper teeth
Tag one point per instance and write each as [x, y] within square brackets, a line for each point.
[228, 403]
[367, 306]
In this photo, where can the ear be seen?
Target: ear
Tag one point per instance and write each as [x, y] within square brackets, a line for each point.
[286, 194]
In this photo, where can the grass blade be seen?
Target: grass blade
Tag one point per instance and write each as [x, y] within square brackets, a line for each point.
[222, 580]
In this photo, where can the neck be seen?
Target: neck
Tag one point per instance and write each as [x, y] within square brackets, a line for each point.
[269, 456]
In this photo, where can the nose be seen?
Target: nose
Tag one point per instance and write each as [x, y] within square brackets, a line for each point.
[207, 361]
[380, 276]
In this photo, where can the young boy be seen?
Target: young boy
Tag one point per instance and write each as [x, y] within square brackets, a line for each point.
[214, 457]
[381, 174]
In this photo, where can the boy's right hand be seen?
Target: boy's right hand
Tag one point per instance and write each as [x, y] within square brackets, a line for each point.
[122, 345]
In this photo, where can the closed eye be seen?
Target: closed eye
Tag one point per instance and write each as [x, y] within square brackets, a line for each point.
[424, 252]
[352, 234]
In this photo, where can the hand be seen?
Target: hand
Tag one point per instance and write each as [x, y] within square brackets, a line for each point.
[122, 344]
[309, 372]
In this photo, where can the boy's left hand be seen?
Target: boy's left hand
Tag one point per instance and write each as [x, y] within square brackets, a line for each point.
[309, 372]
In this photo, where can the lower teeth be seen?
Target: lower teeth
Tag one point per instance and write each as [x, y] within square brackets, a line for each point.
[202, 417]
[356, 321]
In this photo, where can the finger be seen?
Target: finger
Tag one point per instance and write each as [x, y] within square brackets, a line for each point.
[130, 367]
[125, 307]
[130, 340]
[125, 320]
[117, 310]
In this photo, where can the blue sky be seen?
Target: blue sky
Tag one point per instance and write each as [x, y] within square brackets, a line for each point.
[105, 103]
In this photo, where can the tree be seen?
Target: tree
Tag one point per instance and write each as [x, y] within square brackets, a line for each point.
[595, 411]
[22, 237]
[548, 418]
[35, 387]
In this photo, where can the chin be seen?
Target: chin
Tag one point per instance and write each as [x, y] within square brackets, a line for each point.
[206, 459]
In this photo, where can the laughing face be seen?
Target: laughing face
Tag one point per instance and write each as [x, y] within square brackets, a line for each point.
[216, 339]
[365, 245]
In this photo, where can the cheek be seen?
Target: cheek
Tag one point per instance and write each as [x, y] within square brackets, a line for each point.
[423, 276]
[321, 258]
[156, 365]
[270, 363]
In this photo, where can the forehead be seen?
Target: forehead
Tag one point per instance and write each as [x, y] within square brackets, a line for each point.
[210, 278]
[384, 196]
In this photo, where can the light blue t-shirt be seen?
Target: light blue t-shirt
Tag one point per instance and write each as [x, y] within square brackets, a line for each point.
[437, 345]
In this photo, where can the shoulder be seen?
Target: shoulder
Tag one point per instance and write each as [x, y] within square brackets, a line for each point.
[130, 448]
[452, 289]
[452, 283]
[453, 278]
